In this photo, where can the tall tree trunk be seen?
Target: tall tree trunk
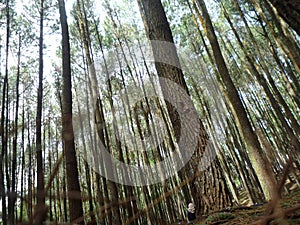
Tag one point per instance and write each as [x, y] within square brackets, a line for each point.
[30, 169]
[260, 163]
[50, 158]
[3, 128]
[262, 81]
[23, 174]
[157, 28]
[98, 110]
[12, 199]
[280, 99]
[289, 76]
[74, 193]
[39, 151]
[86, 166]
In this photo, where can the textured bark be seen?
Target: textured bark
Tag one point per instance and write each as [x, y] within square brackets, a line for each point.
[73, 187]
[157, 28]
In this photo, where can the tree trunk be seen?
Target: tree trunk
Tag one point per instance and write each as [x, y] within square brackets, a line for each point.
[157, 28]
[23, 174]
[74, 193]
[262, 81]
[12, 199]
[280, 99]
[97, 106]
[260, 163]
[39, 152]
[86, 166]
[30, 169]
[3, 128]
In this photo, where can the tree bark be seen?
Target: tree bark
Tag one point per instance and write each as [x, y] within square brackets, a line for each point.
[157, 28]
[39, 152]
[73, 187]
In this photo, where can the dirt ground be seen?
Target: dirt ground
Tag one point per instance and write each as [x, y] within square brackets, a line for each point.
[286, 212]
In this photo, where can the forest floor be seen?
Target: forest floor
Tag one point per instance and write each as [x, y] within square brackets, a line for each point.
[286, 212]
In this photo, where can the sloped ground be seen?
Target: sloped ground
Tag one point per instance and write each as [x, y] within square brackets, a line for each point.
[286, 213]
